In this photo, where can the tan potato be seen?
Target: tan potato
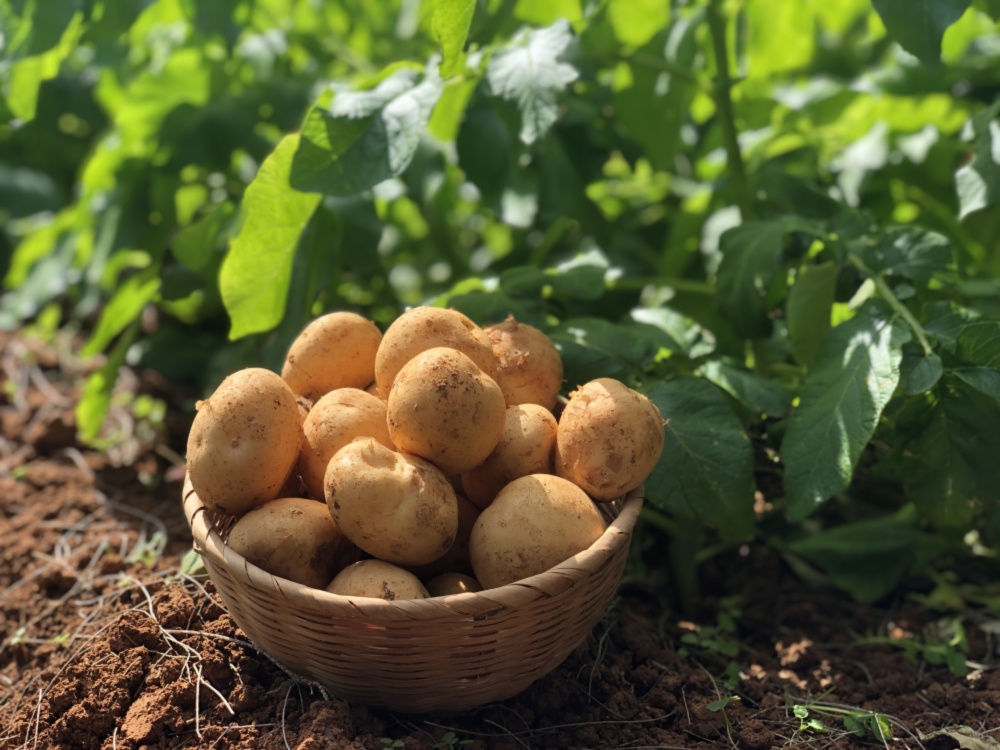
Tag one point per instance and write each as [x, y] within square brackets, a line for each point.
[535, 523]
[338, 418]
[442, 407]
[527, 446]
[529, 368]
[455, 559]
[452, 583]
[422, 328]
[609, 439]
[336, 350]
[293, 538]
[244, 441]
[376, 579]
[396, 507]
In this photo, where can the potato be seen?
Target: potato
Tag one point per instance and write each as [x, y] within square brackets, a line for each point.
[338, 418]
[244, 441]
[422, 328]
[399, 508]
[527, 446]
[376, 579]
[452, 583]
[529, 369]
[609, 439]
[535, 523]
[455, 559]
[336, 350]
[293, 538]
[442, 407]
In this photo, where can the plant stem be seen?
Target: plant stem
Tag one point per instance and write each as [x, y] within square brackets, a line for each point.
[886, 293]
[724, 103]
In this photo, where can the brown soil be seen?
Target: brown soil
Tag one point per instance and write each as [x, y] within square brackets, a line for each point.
[108, 645]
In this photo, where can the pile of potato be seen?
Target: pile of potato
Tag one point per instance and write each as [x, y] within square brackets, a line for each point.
[434, 452]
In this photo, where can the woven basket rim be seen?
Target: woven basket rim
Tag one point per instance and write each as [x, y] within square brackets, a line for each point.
[572, 571]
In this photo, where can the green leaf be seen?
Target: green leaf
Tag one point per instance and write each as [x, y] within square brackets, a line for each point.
[919, 372]
[593, 348]
[758, 394]
[635, 22]
[978, 344]
[195, 245]
[842, 400]
[781, 36]
[529, 72]
[983, 379]
[23, 79]
[96, 400]
[919, 25]
[365, 137]
[447, 118]
[257, 270]
[808, 310]
[706, 470]
[912, 252]
[719, 705]
[751, 255]
[545, 12]
[450, 24]
[124, 308]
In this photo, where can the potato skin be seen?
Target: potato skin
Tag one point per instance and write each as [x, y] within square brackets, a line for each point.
[396, 507]
[422, 328]
[244, 441]
[293, 538]
[442, 407]
[336, 419]
[452, 583]
[609, 439]
[535, 523]
[456, 559]
[376, 579]
[336, 350]
[527, 446]
[529, 368]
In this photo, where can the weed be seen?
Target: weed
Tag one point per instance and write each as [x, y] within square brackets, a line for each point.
[858, 721]
[449, 741]
[718, 642]
[391, 744]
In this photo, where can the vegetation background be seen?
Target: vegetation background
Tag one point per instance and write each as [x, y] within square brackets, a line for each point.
[778, 219]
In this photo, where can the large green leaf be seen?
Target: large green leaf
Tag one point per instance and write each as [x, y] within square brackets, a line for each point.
[256, 273]
[808, 310]
[530, 72]
[21, 82]
[365, 137]
[760, 395]
[977, 346]
[919, 25]
[124, 307]
[751, 256]
[911, 252]
[781, 36]
[593, 348]
[706, 470]
[635, 22]
[978, 182]
[843, 398]
[450, 22]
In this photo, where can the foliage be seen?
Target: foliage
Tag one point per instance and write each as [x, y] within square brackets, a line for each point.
[780, 220]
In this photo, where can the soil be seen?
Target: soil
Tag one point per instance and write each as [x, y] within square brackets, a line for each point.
[108, 644]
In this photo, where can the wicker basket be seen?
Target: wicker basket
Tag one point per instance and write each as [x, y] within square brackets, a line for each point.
[448, 653]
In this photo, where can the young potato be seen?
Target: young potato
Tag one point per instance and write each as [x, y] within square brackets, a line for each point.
[336, 350]
[422, 328]
[609, 439]
[244, 441]
[529, 369]
[527, 446]
[399, 508]
[535, 523]
[457, 558]
[293, 538]
[338, 418]
[376, 579]
[442, 407]
[452, 583]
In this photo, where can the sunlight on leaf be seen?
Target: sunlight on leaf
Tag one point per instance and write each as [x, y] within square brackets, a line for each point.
[919, 25]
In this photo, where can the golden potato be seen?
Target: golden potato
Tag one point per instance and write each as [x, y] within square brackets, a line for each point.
[529, 369]
[293, 538]
[527, 446]
[396, 507]
[455, 559]
[336, 350]
[244, 441]
[422, 328]
[338, 418]
[609, 439]
[376, 579]
[452, 583]
[535, 523]
[442, 407]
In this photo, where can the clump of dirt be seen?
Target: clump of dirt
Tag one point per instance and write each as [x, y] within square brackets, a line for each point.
[108, 644]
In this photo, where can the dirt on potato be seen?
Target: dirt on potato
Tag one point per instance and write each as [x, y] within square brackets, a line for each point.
[107, 644]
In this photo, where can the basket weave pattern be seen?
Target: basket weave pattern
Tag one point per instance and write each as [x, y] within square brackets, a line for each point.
[448, 653]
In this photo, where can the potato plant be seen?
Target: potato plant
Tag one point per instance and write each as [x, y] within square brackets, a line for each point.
[779, 221]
